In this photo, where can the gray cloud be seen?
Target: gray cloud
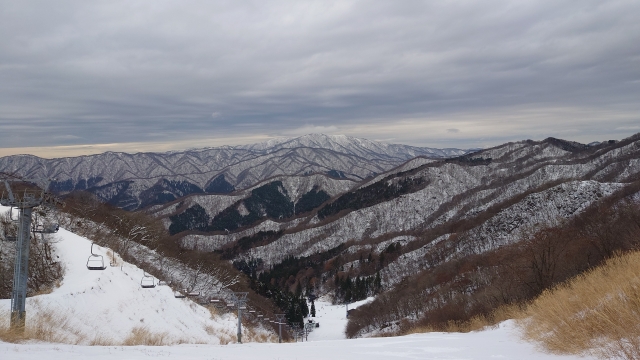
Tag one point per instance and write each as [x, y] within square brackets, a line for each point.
[113, 72]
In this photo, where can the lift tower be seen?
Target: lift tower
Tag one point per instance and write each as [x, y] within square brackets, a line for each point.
[24, 200]
[239, 299]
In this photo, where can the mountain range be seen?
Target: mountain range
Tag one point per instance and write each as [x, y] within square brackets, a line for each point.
[417, 218]
[355, 218]
[133, 181]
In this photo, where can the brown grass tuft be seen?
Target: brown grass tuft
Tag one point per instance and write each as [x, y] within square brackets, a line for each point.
[101, 340]
[595, 313]
[142, 336]
[44, 325]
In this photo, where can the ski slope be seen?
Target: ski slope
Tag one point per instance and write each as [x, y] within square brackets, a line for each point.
[105, 307]
[332, 320]
[500, 343]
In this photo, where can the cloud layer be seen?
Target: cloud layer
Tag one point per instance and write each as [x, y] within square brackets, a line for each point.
[433, 73]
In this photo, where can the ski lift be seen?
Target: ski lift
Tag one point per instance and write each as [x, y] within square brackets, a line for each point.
[49, 228]
[8, 237]
[95, 261]
[217, 303]
[147, 281]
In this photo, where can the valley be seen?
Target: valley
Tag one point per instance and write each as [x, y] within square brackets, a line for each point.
[431, 237]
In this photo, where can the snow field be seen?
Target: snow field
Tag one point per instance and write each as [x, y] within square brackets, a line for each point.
[332, 320]
[109, 306]
[499, 343]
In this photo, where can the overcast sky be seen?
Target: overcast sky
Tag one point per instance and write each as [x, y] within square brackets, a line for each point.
[89, 76]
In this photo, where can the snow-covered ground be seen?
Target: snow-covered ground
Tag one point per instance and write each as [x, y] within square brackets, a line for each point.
[106, 306]
[332, 320]
[500, 343]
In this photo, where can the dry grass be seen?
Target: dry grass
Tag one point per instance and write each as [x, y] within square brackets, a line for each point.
[54, 327]
[142, 336]
[226, 339]
[476, 323]
[249, 333]
[49, 289]
[44, 325]
[101, 340]
[596, 313]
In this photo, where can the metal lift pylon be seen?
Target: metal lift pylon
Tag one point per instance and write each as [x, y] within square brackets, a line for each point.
[25, 200]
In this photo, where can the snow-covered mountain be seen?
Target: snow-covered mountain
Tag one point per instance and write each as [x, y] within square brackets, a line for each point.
[514, 187]
[367, 149]
[138, 180]
[421, 214]
[417, 217]
[106, 314]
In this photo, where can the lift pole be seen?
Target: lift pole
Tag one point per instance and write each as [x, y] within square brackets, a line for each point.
[25, 201]
[280, 319]
[21, 270]
[240, 300]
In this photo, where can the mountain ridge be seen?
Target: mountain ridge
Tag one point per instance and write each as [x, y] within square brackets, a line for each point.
[124, 179]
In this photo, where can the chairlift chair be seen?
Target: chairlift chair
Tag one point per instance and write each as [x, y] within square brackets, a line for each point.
[217, 303]
[47, 228]
[147, 281]
[7, 237]
[95, 261]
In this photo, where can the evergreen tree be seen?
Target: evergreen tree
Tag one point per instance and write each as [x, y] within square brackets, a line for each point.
[304, 309]
[377, 283]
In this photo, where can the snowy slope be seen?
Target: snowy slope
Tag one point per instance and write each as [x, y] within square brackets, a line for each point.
[332, 320]
[105, 306]
[499, 343]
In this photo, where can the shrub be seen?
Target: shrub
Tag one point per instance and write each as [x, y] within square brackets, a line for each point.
[595, 313]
